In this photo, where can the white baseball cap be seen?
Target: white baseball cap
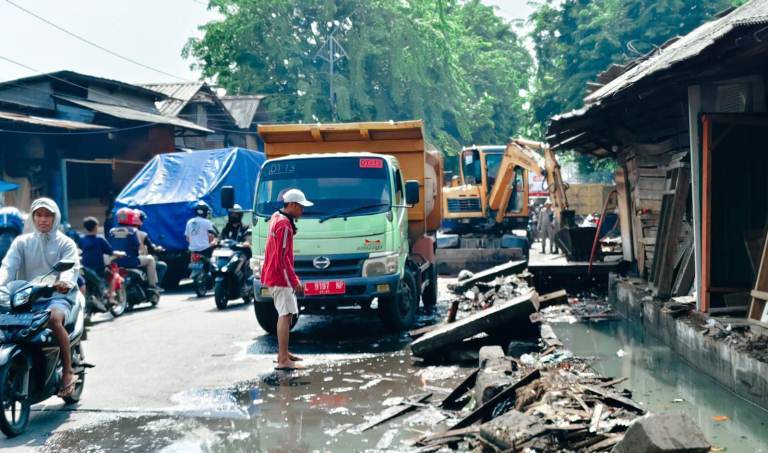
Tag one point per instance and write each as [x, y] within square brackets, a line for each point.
[296, 196]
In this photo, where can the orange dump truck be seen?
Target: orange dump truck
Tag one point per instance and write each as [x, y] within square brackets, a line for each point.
[370, 235]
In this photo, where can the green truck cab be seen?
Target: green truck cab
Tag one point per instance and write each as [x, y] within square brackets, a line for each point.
[366, 237]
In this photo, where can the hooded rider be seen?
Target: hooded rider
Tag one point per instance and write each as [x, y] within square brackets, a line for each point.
[33, 255]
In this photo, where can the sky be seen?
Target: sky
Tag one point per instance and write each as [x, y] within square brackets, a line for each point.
[151, 32]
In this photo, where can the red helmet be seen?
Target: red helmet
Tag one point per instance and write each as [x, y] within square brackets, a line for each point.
[127, 216]
[137, 221]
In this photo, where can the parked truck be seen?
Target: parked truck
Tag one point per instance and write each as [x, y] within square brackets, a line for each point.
[376, 190]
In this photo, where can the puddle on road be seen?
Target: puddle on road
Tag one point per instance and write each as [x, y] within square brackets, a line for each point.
[311, 410]
[660, 380]
[355, 370]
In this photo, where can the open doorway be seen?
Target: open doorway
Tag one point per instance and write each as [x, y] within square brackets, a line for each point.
[734, 207]
[89, 189]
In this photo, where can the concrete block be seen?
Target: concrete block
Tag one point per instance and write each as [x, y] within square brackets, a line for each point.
[512, 315]
[495, 374]
[663, 433]
[511, 429]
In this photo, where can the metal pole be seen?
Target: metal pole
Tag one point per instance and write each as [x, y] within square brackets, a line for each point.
[330, 80]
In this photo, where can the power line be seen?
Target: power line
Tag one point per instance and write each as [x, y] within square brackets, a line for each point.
[91, 43]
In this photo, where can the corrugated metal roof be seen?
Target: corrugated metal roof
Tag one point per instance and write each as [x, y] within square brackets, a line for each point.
[179, 94]
[689, 46]
[77, 77]
[134, 115]
[48, 122]
[243, 108]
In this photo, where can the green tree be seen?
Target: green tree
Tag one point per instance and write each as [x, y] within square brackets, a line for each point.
[453, 63]
[575, 40]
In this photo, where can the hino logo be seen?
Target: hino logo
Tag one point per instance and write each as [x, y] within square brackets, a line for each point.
[321, 262]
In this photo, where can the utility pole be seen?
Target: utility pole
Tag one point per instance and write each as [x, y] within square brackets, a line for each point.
[331, 51]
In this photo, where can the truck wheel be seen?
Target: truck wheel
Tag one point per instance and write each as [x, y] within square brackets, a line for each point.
[399, 311]
[266, 315]
[429, 297]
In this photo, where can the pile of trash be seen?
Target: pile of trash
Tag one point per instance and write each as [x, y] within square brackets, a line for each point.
[543, 401]
[587, 307]
[740, 336]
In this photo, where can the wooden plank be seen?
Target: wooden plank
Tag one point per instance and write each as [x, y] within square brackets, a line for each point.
[487, 409]
[449, 402]
[625, 223]
[554, 298]
[685, 276]
[502, 270]
[757, 304]
[679, 204]
[393, 412]
[661, 236]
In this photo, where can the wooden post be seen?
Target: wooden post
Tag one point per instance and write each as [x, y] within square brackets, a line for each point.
[624, 213]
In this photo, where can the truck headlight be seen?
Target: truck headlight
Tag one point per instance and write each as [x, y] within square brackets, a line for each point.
[380, 264]
[256, 263]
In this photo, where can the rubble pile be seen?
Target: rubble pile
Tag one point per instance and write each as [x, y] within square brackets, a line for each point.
[741, 336]
[482, 295]
[544, 401]
[587, 307]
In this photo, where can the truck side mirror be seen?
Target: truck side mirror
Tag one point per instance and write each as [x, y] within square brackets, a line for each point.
[227, 197]
[455, 181]
[412, 192]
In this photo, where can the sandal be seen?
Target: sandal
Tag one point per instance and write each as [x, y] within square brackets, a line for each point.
[68, 389]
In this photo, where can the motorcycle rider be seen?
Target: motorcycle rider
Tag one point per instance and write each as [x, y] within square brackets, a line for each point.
[33, 255]
[124, 237]
[147, 247]
[200, 232]
[235, 230]
[94, 247]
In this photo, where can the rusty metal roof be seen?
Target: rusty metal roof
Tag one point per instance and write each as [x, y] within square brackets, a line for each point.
[178, 95]
[48, 122]
[243, 108]
[694, 43]
[80, 78]
[126, 113]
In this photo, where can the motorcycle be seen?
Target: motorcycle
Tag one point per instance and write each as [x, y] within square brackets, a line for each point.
[200, 273]
[230, 273]
[113, 299]
[11, 225]
[30, 362]
[136, 287]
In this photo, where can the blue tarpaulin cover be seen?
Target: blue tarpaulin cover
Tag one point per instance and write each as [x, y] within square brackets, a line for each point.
[169, 185]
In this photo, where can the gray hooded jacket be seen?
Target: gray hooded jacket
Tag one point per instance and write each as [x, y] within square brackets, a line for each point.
[33, 254]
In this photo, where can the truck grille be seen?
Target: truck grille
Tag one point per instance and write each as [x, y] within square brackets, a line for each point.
[464, 205]
[342, 266]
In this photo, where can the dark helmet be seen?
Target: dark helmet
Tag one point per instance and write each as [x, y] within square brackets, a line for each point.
[235, 213]
[202, 209]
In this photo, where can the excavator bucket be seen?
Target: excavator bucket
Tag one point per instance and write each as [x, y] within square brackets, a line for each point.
[456, 253]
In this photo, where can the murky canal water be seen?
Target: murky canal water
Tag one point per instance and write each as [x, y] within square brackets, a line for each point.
[661, 381]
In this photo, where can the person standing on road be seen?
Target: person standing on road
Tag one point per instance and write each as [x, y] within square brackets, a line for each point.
[278, 273]
[546, 217]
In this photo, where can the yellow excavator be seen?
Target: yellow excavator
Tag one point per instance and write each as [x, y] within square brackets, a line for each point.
[486, 207]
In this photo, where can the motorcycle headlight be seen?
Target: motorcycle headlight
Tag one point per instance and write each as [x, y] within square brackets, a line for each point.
[256, 263]
[380, 264]
[22, 297]
[5, 299]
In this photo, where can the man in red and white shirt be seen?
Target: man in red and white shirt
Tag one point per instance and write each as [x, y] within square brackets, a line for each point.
[278, 274]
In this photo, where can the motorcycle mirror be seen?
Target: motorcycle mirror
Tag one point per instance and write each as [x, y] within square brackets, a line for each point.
[63, 265]
[227, 197]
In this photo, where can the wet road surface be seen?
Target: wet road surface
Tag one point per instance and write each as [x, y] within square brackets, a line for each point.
[188, 377]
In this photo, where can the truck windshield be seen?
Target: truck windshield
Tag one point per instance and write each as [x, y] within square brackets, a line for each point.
[331, 183]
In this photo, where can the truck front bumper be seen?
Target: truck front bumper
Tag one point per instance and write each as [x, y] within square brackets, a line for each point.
[357, 289]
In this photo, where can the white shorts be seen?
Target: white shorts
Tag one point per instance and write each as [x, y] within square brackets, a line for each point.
[285, 300]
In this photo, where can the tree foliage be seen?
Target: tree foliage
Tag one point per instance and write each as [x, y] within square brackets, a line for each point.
[453, 63]
[574, 40]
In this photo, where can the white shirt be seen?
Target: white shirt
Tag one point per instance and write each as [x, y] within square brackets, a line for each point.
[197, 233]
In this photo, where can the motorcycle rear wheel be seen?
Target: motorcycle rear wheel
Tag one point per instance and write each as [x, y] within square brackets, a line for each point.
[14, 412]
[120, 303]
[201, 284]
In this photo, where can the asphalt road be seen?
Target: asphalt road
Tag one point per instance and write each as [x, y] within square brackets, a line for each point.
[148, 359]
